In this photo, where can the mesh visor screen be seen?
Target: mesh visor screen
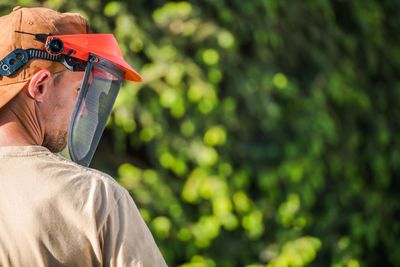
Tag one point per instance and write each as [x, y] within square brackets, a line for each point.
[99, 91]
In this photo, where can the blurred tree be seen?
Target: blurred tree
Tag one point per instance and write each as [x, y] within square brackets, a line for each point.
[265, 131]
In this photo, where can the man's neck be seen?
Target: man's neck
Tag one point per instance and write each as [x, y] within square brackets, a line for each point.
[19, 123]
[13, 133]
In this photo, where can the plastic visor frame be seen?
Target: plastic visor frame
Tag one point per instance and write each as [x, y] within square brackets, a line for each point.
[94, 61]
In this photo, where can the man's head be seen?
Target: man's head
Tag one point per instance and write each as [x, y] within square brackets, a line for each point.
[45, 58]
[41, 95]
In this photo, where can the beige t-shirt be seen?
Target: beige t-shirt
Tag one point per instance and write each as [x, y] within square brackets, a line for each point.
[54, 212]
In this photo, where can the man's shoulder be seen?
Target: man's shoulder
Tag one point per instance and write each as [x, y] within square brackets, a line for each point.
[45, 175]
[70, 170]
[46, 182]
[76, 169]
[79, 184]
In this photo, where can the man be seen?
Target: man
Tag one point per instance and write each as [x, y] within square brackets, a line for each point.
[59, 82]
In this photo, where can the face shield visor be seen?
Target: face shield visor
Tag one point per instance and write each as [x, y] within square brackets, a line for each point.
[101, 84]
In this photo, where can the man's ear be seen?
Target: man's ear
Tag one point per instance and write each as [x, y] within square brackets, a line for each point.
[39, 85]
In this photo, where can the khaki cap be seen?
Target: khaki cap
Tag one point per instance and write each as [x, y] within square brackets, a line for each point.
[36, 21]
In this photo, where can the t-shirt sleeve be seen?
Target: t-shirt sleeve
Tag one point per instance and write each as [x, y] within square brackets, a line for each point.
[126, 239]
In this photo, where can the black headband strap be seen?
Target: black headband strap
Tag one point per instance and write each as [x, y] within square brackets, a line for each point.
[19, 57]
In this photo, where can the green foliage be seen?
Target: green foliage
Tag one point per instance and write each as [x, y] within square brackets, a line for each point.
[265, 131]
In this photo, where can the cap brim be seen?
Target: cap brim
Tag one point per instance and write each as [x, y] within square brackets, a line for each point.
[9, 91]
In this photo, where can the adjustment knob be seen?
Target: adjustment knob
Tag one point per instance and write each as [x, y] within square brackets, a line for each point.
[54, 46]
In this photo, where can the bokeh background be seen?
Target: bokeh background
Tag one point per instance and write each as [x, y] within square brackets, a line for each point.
[266, 131]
